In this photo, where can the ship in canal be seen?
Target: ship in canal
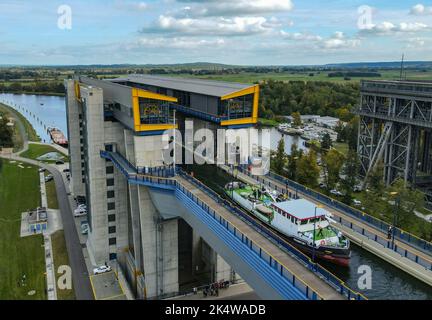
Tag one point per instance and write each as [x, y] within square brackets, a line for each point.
[57, 136]
[304, 225]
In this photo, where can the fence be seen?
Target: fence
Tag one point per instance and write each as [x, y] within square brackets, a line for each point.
[377, 224]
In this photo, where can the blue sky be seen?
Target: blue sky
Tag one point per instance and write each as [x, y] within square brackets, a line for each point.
[245, 32]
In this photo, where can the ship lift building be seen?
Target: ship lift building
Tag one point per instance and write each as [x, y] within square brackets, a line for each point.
[134, 224]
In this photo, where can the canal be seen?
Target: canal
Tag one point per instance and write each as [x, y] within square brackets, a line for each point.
[388, 282]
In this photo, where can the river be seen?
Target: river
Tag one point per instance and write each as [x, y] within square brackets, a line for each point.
[388, 282]
[41, 111]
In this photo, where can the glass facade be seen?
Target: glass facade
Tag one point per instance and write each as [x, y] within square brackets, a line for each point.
[235, 108]
[154, 111]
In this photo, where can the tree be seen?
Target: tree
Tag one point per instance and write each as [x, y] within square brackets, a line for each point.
[332, 163]
[326, 142]
[350, 171]
[296, 119]
[308, 170]
[352, 132]
[293, 158]
[375, 180]
[341, 131]
[279, 160]
[6, 133]
[406, 200]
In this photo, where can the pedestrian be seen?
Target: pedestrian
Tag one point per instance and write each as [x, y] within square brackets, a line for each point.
[389, 232]
[217, 291]
[195, 291]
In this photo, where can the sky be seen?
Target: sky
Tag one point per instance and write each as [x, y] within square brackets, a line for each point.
[240, 32]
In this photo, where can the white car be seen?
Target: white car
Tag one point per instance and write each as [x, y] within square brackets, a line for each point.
[336, 192]
[357, 202]
[101, 269]
[82, 206]
[79, 212]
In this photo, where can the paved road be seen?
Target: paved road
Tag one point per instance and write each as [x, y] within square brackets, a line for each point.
[80, 276]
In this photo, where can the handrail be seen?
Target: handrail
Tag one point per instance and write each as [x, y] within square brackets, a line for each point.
[355, 213]
[329, 277]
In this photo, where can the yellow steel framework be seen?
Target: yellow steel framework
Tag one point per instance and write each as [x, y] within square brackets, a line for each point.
[251, 90]
[140, 93]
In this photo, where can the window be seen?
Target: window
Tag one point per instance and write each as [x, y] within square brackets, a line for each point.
[112, 241]
[111, 218]
[111, 205]
[110, 182]
[112, 229]
[113, 256]
[109, 147]
[110, 170]
[110, 194]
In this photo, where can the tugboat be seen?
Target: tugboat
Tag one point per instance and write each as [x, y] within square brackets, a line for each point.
[303, 224]
[58, 137]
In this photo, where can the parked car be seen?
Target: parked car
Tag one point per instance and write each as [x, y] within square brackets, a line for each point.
[336, 192]
[322, 185]
[66, 170]
[84, 227]
[59, 162]
[42, 170]
[79, 212]
[101, 269]
[82, 206]
[49, 178]
[357, 202]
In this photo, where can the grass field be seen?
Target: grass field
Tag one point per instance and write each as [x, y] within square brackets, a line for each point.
[249, 77]
[19, 191]
[61, 258]
[51, 195]
[36, 150]
[31, 132]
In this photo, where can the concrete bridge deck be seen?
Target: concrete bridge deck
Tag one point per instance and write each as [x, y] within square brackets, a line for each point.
[361, 233]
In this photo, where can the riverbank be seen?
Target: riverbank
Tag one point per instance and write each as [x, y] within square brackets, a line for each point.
[29, 129]
[54, 94]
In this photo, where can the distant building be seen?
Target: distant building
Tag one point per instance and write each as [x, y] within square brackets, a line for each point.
[329, 122]
[305, 118]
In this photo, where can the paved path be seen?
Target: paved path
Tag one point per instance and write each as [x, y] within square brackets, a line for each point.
[325, 291]
[345, 217]
[80, 276]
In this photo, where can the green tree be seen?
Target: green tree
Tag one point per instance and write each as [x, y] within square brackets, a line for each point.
[350, 171]
[375, 180]
[351, 132]
[326, 142]
[406, 200]
[308, 170]
[332, 163]
[296, 119]
[293, 158]
[6, 133]
[280, 158]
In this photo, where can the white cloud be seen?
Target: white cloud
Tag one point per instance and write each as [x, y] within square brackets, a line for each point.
[213, 26]
[130, 6]
[235, 7]
[421, 10]
[337, 41]
[176, 43]
[386, 28]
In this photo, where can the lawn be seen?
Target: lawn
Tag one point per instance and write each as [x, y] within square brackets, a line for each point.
[19, 191]
[51, 195]
[36, 150]
[61, 258]
[30, 131]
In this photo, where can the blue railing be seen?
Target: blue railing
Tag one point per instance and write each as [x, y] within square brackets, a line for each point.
[380, 225]
[164, 182]
[198, 114]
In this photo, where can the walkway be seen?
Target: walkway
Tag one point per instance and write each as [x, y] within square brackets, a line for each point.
[353, 224]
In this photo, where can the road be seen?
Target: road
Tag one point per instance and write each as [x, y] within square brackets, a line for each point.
[80, 276]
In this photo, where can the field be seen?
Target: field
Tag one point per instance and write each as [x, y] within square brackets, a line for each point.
[19, 191]
[247, 77]
[36, 150]
[61, 258]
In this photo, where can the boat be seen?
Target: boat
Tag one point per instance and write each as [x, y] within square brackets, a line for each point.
[57, 137]
[304, 226]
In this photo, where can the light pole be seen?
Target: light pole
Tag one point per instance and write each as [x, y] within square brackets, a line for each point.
[395, 212]
[313, 237]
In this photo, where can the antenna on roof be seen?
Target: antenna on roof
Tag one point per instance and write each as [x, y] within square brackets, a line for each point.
[402, 67]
